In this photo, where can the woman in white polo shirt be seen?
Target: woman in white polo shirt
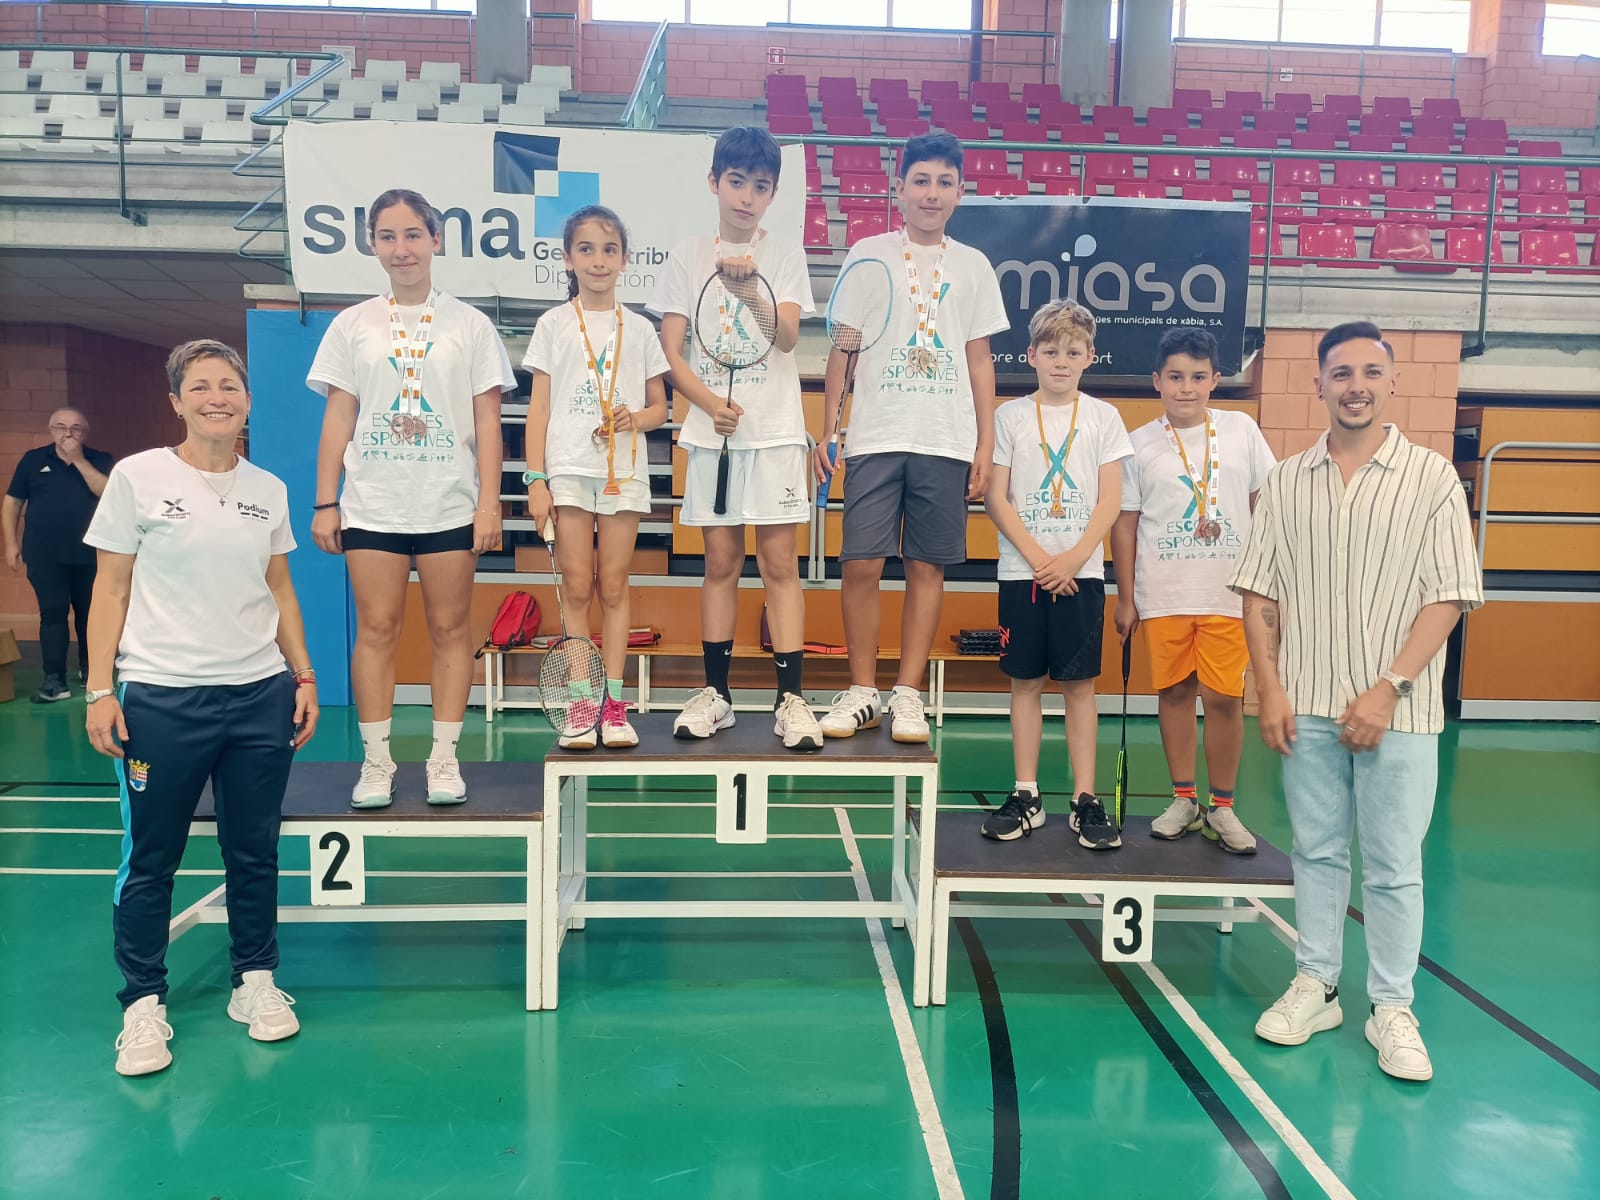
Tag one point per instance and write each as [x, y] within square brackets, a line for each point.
[194, 609]
[413, 380]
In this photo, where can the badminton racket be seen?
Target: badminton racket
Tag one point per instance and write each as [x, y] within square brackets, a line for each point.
[572, 678]
[1122, 753]
[736, 323]
[858, 315]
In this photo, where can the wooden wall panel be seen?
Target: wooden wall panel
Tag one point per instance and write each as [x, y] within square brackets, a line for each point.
[1532, 650]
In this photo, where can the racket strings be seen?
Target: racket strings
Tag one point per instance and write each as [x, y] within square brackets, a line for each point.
[736, 321]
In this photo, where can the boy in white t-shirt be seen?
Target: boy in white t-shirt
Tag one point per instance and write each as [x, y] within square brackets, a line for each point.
[1187, 495]
[921, 434]
[765, 429]
[1055, 493]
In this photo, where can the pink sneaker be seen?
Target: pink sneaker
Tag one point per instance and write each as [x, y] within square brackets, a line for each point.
[615, 732]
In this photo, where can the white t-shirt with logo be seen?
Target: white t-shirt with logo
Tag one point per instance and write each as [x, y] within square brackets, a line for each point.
[401, 485]
[1176, 572]
[200, 613]
[895, 409]
[1100, 438]
[769, 392]
[556, 348]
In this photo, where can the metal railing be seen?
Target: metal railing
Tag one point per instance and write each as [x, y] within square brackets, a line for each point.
[1277, 58]
[984, 53]
[650, 92]
[1487, 518]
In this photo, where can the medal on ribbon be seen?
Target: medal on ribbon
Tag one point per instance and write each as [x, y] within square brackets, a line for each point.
[921, 359]
[1207, 528]
[1055, 476]
[408, 353]
[604, 369]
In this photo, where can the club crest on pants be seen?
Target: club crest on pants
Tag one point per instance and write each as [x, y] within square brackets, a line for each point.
[138, 774]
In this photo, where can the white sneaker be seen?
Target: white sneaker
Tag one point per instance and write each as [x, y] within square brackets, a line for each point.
[445, 785]
[908, 724]
[375, 787]
[1392, 1030]
[1308, 1007]
[616, 733]
[1224, 828]
[854, 709]
[264, 1007]
[796, 724]
[705, 714]
[142, 1044]
[1182, 816]
[581, 731]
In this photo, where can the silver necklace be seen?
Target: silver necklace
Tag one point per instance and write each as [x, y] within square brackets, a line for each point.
[222, 497]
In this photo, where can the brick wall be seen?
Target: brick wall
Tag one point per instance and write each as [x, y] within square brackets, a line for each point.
[1424, 405]
[1522, 85]
[121, 387]
[1323, 70]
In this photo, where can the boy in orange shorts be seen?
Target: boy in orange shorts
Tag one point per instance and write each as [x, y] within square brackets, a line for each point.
[1187, 495]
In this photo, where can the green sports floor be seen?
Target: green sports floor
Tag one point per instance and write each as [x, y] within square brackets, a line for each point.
[757, 1060]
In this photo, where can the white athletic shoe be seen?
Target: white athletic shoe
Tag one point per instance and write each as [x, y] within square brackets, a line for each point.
[705, 714]
[581, 731]
[796, 724]
[909, 724]
[1308, 1007]
[616, 732]
[854, 709]
[264, 1007]
[1182, 816]
[445, 785]
[1392, 1030]
[142, 1044]
[1224, 828]
[375, 787]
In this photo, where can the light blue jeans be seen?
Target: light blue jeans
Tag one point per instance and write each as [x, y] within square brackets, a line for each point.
[1385, 797]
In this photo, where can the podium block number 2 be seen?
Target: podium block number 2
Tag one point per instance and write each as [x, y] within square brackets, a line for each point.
[338, 868]
[1127, 923]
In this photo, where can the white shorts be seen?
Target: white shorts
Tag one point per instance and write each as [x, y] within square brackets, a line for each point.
[579, 491]
[766, 486]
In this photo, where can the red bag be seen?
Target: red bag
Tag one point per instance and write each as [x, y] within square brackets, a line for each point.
[516, 624]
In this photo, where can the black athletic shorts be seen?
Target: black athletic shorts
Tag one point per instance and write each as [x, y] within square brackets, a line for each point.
[1059, 636]
[408, 544]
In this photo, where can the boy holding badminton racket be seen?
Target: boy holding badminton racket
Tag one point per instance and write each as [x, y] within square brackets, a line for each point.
[921, 434]
[1054, 495]
[1187, 496]
[597, 371]
[754, 430]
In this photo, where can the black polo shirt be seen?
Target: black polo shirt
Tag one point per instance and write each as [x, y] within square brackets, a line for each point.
[60, 505]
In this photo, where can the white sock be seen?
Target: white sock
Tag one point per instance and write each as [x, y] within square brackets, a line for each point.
[375, 740]
[910, 691]
[1027, 785]
[445, 736]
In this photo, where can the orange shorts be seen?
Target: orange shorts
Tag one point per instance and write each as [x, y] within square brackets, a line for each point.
[1211, 647]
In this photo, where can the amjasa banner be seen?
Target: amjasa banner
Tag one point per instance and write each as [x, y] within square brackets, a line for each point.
[1139, 265]
[504, 195]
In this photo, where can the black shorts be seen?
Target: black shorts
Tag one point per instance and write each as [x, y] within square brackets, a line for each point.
[408, 544]
[1058, 636]
[911, 505]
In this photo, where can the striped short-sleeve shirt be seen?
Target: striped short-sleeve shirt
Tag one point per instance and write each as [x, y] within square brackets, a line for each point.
[1351, 566]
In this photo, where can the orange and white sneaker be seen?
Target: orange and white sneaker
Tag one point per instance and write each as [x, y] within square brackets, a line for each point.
[615, 732]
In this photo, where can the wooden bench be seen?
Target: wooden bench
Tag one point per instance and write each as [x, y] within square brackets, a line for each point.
[504, 800]
[1122, 886]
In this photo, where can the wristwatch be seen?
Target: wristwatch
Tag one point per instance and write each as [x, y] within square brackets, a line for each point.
[1401, 685]
[95, 695]
[532, 477]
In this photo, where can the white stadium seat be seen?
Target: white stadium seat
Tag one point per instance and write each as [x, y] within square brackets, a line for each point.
[159, 134]
[386, 69]
[490, 95]
[74, 106]
[195, 113]
[423, 93]
[539, 95]
[245, 87]
[441, 72]
[517, 114]
[361, 91]
[90, 133]
[52, 60]
[64, 81]
[393, 110]
[133, 83]
[182, 85]
[461, 114]
[165, 64]
[558, 77]
[218, 66]
[16, 106]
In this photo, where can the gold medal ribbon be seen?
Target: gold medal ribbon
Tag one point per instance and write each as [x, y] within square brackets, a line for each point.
[925, 304]
[410, 350]
[1205, 494]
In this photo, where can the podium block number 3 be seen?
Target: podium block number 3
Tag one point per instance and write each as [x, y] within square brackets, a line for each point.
[1127, 923]
[338, 868]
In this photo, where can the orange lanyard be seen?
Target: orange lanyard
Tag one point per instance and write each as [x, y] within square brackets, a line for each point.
[1057, 471]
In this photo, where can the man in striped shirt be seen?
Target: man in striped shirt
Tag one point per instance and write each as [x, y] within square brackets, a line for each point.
[1359, 564]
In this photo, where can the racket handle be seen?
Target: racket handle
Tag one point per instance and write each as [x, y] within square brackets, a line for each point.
[720, 504]
[1127, 660]
[822, 488]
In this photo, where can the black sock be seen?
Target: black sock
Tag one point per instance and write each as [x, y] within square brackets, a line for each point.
[788, 664]
[719, 657]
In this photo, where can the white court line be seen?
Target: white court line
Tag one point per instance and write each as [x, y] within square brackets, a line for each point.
[91, 832]
[1291, 1137]
[940, 1159]
[61, 799]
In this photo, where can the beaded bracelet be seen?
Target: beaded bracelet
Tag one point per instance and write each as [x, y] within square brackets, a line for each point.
[321, 507]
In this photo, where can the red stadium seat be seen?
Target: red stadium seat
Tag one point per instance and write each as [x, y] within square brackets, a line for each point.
[842, 104]
[838, 86]
[1349, 173]
[1474, 177]
[1140, 189]
[782, 124]
[864, 224]
[1350, 206]
[1037, 95]
[1342, 102]
[986, 91]
[1539, 148]
[1542, 211]
[1258, 241]
[1397, 107]
[1024, 131]
[1315, 141]
[1589, 181]
[1287, 205]
[858, 193]
[1300, 172]
[1548, 248]
[1382, 124]
[1003, 112]
[1061, 115]
[1325, 122]
[1211, 193]
[1407, 246]
[1243, 101]
[1373, 143]
[1298, 103]
[898, 108]
[1469, 208]
[1235, 172]
[1139, 136]
[1484, 147]
[1478, 127]
[1413, 208]
[939, 89]
[1429, 145]
[1252, 139]
[1542, 179]
[1172, 168]
[1435, 127]
[1276, 121]
[879, 90]
[1039, 165]
[901, 128]
[1464, 247]
[1203, 139]
[789, 104]
[1223, 119]
[1590, 221]
[1109, 168]
[779, 84]
[980, 163]
[857, 160]
[1330, 246]
[847, 126]
[1192, 99]
[1112, 115]
[1062, 185]
[998, 185]
[1445, 108]
[816, 234]
[967, 131]
[1166, 118]
[943, 112]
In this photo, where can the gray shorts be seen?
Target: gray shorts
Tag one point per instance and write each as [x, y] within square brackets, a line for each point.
[923, 492]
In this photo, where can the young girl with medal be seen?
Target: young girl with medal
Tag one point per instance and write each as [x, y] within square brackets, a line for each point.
[413, 380]
[1187, 497]
[597, 390]
[1055, 494]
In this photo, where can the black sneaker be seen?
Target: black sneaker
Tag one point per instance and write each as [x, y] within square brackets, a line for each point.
[52, 689]
[1019, 816]
[1094, 828]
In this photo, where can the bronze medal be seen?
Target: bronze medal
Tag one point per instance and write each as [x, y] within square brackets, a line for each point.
[922, 360]
[1208, 531]
[408, 427]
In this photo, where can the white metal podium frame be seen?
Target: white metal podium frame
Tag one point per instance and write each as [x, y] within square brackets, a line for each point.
[568, 907]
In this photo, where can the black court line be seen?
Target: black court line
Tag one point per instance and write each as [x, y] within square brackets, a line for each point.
[982, 798]
[1471, 994]
[1205, 1095]
[1006, 1165]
